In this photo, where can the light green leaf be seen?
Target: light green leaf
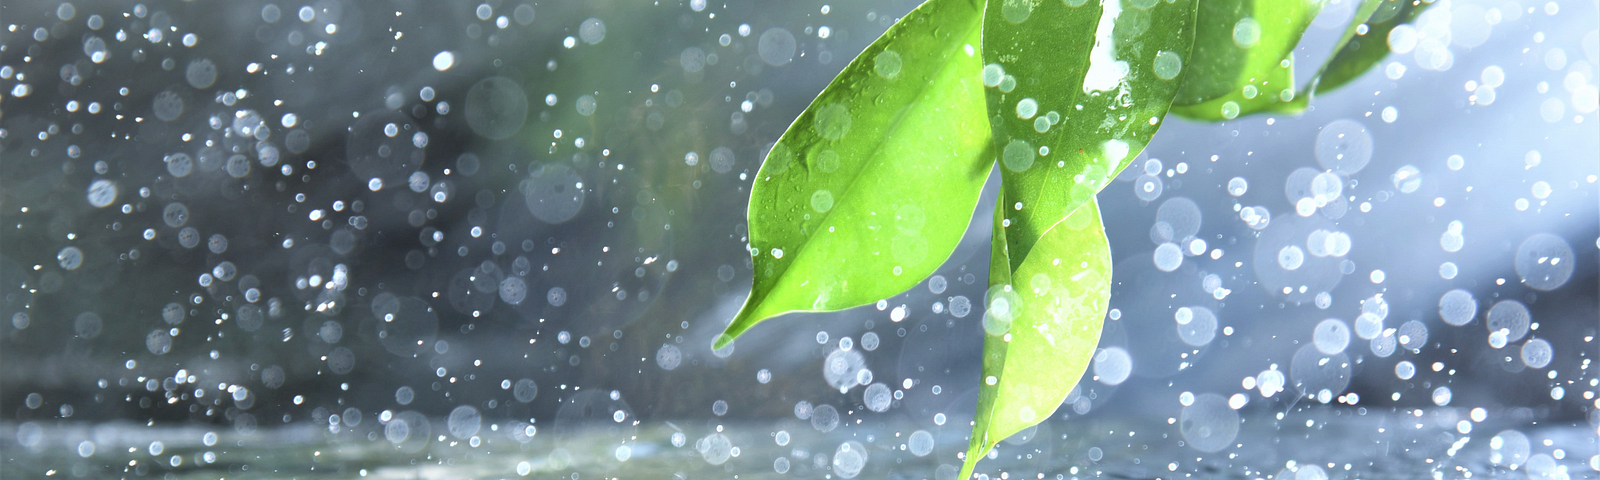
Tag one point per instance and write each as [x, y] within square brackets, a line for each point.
[1077, 89]
[871, 188]
[1243, 57]
[1042, 323]
[1364, 44]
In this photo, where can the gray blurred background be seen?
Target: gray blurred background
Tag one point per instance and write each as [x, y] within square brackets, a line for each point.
[559, 198]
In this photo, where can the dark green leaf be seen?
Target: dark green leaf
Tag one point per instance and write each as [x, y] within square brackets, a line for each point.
[1077, 90]
[1042, 322]
[871, 188]
[1242, 60]
[1364, 44]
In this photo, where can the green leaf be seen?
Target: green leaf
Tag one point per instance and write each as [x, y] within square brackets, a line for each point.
[871, 188]
[1041, 325]
[1077, 90]
[1360, 48]
[1243, 57]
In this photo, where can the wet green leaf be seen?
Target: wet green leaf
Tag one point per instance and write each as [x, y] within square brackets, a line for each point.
[1041, 323]
[1364, 43]
[868, 192]
[871, 188]
[1076, 90]
[1242, 60]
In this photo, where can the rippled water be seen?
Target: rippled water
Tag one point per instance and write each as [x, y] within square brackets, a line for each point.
[1205, 440]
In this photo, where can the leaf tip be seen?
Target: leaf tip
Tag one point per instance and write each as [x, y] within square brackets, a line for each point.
[741, 322]
[722, 341]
